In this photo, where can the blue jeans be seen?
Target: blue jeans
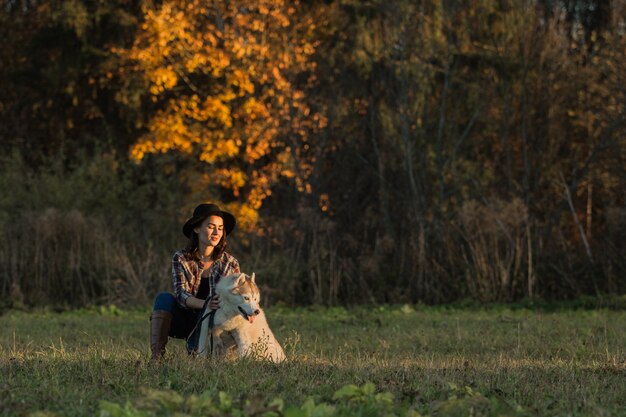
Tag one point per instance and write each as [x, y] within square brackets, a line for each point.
[183, 319]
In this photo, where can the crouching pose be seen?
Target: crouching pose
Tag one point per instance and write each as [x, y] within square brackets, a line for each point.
[196, 270]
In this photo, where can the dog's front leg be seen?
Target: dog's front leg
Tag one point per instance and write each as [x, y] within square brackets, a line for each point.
[243, 344]
[215, 347]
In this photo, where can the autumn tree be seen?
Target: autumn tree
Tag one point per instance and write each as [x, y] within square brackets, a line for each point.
[224, 83]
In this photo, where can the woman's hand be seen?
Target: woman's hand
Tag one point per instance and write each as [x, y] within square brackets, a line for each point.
[197, 303]
[214, 304]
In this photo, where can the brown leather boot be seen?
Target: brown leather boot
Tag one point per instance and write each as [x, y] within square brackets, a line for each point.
[160, 321]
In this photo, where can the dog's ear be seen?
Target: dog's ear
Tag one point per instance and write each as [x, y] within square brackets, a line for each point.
[240, 280]
[252, 278]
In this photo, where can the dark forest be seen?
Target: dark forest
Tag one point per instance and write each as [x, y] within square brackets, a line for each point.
[373, 151]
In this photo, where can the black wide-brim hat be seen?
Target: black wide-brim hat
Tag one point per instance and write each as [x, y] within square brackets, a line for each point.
[205, 210]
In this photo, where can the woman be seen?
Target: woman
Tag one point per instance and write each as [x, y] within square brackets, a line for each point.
[195, 271]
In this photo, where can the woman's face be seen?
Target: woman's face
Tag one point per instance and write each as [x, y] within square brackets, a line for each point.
[210, 231]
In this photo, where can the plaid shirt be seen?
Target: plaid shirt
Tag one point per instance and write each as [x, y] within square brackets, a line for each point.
[186, 274]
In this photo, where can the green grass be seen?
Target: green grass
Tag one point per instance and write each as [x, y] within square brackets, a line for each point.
[568, 362]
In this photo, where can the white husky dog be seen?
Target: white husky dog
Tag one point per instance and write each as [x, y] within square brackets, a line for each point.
[241, 315]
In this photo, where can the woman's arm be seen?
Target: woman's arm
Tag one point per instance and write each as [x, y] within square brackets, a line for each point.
[180, 281]
[193, 302]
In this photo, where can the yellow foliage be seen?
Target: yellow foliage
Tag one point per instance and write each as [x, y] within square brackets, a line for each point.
[247, 217]
[224, 87]
[229, 178]
[162, 79]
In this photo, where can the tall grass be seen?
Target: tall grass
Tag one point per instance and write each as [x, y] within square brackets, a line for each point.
[102, 230]
[84, 235]
[67, 258]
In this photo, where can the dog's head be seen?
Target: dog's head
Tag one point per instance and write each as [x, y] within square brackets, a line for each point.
[241, 292]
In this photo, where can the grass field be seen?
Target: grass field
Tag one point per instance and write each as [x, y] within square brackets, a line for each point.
[434, 361]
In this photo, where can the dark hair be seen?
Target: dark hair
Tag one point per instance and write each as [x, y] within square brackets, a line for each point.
[193, 244]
